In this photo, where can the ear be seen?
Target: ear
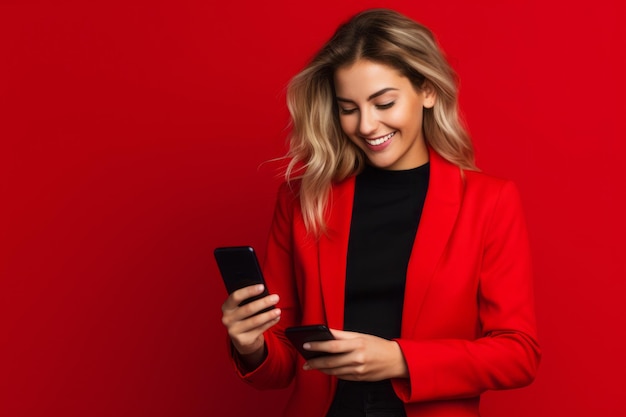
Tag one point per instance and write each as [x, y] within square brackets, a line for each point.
[430, 94]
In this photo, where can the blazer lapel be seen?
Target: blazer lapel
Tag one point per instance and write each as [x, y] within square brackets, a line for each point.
[333, 250]
[439, 214]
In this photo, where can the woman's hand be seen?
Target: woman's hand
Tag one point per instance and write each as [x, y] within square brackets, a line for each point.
[358, 357]
[244, 327]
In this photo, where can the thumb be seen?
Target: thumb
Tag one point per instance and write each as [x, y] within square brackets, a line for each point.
[342, 334]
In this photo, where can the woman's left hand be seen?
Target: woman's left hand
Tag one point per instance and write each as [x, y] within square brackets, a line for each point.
[358, 357]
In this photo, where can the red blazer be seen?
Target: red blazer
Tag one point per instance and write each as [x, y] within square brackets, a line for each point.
[468, 322]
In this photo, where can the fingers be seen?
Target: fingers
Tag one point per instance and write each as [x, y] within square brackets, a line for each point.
[247, 323]
[350, 366]
[345, 359]
[348, 372]
[340, 345]
[242, 294]
[359, 357]
[245, 318]
[342, 334]
[247, 335]
[337, 345]
[232, 304]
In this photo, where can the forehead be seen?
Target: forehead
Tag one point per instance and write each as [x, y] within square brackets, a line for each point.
[364, 78]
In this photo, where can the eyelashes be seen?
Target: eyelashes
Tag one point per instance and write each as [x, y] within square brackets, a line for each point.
[355, 109]
[385, 106]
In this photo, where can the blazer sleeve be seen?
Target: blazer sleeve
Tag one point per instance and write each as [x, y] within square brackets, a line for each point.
[506, 355]
[278, 368]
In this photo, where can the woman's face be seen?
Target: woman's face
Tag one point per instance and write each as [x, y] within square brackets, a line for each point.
[381, 112]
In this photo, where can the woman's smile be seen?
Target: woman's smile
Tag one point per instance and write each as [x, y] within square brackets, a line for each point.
[381, 112]
[377, 143]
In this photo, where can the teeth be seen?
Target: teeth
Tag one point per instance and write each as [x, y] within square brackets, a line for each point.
[380, 141]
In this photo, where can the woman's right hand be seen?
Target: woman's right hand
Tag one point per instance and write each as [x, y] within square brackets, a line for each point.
[244, 327]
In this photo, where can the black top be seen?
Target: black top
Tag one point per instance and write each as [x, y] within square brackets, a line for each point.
[386, 212]
[385, 216]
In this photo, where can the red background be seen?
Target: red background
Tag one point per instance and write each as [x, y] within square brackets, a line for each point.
[133, 137]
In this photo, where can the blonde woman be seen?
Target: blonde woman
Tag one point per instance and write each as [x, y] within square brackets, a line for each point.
[386, 232]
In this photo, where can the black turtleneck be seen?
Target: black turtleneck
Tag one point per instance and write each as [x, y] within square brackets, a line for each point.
[386, 212]
[385, 216]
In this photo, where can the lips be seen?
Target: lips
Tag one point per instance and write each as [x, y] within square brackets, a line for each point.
[380, 140]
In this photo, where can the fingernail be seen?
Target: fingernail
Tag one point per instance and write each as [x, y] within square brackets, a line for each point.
[307, 346]
[259, 287]
[306, 366]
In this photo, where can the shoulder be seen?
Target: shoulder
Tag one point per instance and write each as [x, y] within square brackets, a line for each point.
[496, 198]
[477, 182]
[492, 196]
[482, 179]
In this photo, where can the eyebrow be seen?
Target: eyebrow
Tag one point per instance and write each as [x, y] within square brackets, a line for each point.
[370, 98]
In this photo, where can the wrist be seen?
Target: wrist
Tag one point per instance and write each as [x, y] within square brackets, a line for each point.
[400, 368]
[251, 360]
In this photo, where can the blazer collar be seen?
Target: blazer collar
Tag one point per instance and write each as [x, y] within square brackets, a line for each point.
[439, 214]
[441, 208]
[333, 251]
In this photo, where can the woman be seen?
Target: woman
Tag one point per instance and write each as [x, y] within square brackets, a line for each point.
[386, 232]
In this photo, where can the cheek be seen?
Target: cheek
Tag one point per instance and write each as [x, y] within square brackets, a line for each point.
[347, 125]
[408, 118]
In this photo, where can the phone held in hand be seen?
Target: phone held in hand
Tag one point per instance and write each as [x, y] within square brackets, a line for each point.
[240, 268]
[299, 335]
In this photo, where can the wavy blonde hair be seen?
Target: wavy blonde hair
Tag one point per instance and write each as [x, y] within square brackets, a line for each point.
[320, 153]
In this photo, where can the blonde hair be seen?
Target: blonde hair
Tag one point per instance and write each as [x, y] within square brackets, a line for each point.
[320, 153]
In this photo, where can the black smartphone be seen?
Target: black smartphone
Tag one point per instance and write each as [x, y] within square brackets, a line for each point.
[240, 268]
[299, 335]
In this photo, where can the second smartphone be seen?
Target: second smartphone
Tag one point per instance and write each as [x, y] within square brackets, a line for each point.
[299, 335]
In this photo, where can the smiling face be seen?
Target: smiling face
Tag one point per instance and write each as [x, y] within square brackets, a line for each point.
[381, 112]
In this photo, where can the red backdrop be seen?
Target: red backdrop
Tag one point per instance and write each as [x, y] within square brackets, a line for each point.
[133, 137]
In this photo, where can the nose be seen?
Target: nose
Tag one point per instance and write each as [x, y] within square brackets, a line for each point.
[367, 123]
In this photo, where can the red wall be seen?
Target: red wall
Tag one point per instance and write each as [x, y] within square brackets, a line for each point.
[132, 141]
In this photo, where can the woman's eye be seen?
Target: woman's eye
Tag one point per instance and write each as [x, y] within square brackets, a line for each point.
[347, 111]
[385, 106]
